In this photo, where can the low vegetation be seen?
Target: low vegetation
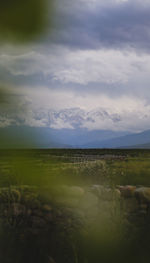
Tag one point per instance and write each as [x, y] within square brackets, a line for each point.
[74, 206]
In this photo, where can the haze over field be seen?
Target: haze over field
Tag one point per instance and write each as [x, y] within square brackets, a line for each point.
[89, 72]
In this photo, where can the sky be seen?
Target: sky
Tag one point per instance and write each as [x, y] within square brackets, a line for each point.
[92, 67]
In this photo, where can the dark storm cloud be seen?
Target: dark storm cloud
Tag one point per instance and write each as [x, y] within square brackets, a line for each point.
[126, 24]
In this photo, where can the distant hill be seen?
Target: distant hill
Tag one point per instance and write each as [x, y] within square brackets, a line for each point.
[80, 136]
[45, 137]
[139, 146]
[28, 137]
[131, 140]
[42, 137]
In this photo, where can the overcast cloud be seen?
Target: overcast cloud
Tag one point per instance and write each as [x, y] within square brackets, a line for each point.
[96, 59]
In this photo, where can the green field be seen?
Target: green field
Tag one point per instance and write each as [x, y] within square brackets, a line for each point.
[85, 167]
[64, 206]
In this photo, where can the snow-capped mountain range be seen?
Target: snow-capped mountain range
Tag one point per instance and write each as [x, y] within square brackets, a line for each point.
[73, 118]
[77, 118]
[75, 127]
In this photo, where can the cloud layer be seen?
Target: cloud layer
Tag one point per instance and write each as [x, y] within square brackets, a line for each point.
[97, 24]
[91, 72]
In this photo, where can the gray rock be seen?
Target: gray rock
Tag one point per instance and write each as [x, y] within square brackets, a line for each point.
[105, 193]
[142, 194]
[127, 191]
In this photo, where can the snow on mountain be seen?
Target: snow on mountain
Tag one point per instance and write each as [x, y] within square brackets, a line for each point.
[77, 118]
[74, 117]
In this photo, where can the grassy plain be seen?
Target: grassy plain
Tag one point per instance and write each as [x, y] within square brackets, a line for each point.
[89, 166]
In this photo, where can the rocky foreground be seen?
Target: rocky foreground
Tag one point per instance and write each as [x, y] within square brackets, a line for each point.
[57, 219]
